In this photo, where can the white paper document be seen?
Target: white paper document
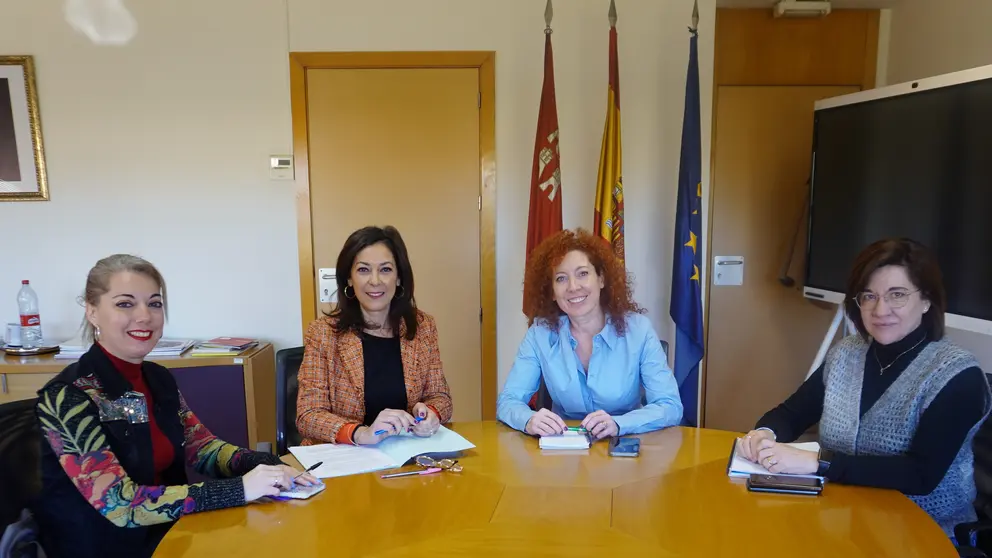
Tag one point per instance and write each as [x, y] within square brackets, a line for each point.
[338, 460]
[741, 467]
[569, 440]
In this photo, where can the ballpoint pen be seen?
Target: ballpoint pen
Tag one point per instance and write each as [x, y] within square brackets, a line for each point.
[412, 473]
[381, 432]
[311, 468]
[577, 429]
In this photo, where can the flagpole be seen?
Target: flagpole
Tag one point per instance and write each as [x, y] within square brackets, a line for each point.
[613, 13]
[695, 16]
[549, 13]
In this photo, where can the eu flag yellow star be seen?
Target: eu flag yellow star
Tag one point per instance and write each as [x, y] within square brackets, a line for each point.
[699, 194]
[692, 242]
[695, 274]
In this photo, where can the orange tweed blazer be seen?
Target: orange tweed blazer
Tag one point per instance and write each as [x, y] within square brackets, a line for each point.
[332, 378]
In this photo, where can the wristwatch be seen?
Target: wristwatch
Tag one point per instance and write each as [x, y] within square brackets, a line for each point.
[824, 457]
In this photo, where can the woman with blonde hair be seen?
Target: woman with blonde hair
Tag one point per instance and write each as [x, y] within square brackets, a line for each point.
[118, 434]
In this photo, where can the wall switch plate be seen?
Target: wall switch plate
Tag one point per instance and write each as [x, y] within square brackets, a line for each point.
[281, 167]
[328, 284]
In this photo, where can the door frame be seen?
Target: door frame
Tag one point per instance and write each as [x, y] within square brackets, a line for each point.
[787, 45]
[485, 62]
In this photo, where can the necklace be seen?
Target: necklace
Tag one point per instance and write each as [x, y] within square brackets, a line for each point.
[889, 365]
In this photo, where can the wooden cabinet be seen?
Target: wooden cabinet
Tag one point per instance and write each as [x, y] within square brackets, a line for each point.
[233, 396]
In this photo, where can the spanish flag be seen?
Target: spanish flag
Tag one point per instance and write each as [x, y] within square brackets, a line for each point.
[609, 183]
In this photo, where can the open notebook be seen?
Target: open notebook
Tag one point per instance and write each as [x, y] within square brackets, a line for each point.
[737, 466]
[342, 459]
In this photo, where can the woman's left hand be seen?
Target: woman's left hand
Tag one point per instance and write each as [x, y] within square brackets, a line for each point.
[782, 458]
[430, 423]
[600, 424]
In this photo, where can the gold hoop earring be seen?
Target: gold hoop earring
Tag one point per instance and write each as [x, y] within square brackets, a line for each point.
[352, 295]
[96, 334]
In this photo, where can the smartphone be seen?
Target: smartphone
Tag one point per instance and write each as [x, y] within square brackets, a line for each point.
[625, 447]
[784, 484]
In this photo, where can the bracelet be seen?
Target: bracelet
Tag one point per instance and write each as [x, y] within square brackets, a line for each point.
[774, 437]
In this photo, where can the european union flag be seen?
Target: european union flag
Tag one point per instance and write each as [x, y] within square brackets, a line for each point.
[687, 306]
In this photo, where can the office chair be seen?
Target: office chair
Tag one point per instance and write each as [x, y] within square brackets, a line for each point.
[288, 363]
[20, 459]
[982, 528]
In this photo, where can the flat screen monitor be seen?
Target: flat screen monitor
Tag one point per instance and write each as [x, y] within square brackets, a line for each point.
[909, 160]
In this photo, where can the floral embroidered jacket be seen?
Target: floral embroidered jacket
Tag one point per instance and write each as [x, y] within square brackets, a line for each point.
[98, 494]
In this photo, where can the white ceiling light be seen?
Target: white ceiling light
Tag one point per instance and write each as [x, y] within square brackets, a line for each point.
[105, 22]
[801, 8]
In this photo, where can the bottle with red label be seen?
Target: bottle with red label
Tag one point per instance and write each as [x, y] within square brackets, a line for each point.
[27, 306]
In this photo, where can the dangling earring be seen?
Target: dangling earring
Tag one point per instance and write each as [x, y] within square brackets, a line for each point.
[352, 295]
[96, 334]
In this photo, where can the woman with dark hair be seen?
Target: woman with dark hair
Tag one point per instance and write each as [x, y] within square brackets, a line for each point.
[372, 368]
[592, 345]
[898, 404]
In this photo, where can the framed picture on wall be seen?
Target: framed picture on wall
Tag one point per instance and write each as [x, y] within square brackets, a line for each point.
[22, 152]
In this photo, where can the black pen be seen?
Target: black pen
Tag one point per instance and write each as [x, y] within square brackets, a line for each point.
[312, 467]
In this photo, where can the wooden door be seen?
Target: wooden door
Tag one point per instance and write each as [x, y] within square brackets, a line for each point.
[763, 336]
[401, 147]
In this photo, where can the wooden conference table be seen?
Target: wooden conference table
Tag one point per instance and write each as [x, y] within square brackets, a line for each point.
[512, 499]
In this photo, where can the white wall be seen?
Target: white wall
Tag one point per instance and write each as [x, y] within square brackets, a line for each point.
[930, 38]
[159, 148]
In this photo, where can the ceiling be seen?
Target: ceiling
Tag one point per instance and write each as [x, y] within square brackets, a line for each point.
[835, 4]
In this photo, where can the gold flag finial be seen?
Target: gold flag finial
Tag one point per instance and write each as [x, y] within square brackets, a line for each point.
[613, 13]
[549, 13]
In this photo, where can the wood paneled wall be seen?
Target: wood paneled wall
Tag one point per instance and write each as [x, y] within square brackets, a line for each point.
[755, 48]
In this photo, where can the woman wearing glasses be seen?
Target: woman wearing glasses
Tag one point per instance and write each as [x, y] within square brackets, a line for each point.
[898, 404]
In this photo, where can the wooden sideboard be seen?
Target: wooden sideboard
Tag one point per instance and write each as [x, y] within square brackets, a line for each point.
[233, 396]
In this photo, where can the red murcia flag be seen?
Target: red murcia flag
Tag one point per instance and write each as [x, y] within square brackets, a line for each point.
[544, 218]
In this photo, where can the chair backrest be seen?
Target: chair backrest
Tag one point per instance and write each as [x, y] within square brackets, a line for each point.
[20, 459]
[982, 446]
[288, 363]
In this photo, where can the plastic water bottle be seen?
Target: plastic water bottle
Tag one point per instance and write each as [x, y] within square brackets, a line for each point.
[27, 306]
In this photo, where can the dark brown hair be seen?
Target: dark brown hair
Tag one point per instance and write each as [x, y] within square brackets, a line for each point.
[402, 307]
[539, 299]
[922, 268]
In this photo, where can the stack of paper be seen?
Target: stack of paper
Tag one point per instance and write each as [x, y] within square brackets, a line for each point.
[570, 440]
[75, 348]
[741, 467]
[339, 459]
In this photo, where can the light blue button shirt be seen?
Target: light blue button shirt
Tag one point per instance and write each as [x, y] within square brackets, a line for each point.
[628, 377]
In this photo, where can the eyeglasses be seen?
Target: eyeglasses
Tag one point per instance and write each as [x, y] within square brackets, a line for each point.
[895, 299]
[446, 464]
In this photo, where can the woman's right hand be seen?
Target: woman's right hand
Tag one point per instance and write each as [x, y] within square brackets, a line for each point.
[266, 480]
[751, 443]
[545, 423]
[390, 422]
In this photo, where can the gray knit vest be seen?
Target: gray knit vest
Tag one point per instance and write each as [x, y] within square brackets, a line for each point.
[887, 428]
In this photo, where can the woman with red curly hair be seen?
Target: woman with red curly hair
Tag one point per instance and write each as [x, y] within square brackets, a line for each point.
[591, 343]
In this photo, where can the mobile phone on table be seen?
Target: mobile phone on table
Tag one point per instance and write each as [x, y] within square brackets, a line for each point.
[624, 447]
[785, 484]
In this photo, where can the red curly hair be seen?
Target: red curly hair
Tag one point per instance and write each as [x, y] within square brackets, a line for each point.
[616, 297]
